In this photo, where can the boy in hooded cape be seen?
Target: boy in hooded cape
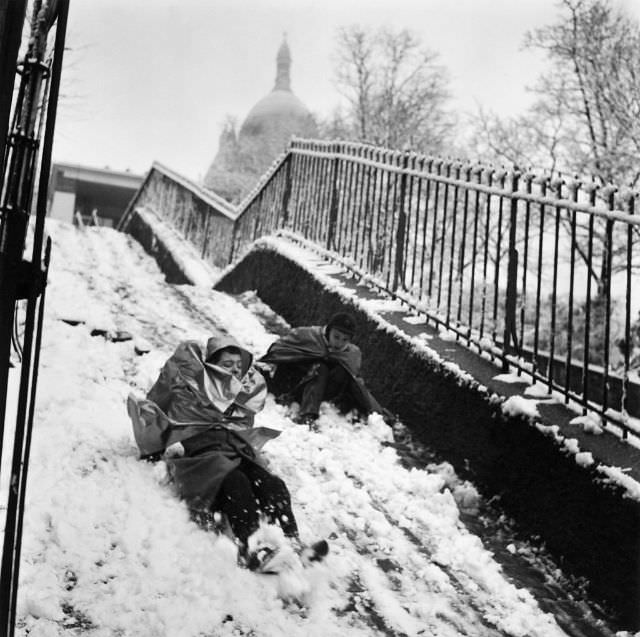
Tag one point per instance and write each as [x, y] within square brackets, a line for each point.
[317, 363]
[199, 414]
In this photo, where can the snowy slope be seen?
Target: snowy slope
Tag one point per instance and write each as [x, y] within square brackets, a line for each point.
[109, 549]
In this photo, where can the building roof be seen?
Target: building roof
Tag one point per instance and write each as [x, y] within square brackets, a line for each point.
[105, 176]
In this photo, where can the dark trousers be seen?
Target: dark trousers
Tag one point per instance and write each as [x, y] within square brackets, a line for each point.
[311, 383]
[327, 383]
[249, 491]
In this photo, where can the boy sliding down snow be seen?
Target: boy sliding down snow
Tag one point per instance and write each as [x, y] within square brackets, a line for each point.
[321, 363]
[200, 414]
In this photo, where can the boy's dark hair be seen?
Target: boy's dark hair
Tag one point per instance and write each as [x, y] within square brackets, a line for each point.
[342, 321]
[215, 357]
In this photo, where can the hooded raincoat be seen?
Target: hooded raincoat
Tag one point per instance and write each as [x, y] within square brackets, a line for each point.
[209, 411]
[309, 345]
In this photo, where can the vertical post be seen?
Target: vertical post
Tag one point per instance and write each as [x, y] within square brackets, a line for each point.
[286, 195]
[333, 207]
[512, 275]
[574, 187]
[205, 232]
[610, 193]
[543, 182]
[398, 274]
[12, 13]
[628, 338]
[477, 171]
[234, 232]
[556, 186]
[592, 190]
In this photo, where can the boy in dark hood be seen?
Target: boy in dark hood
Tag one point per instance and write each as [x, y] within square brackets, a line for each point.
[320, 363]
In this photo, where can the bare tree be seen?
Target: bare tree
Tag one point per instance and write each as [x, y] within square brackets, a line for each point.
[586, 116]
[396, 90]
[584, 121]
[354, 74]
[594, 52]
[336, 126]
[538, 139]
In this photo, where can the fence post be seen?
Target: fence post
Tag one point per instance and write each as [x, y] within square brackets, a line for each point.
[205, 233]
[398, 275]
[286, 195]
[510, 334]
[333, 208]
[234, 232]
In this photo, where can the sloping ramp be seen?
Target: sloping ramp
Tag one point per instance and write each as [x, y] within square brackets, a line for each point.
[109, 549]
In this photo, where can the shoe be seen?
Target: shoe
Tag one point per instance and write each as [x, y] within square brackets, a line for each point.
[310, 420]
[316, 552]
[259, 560]
[285, 399]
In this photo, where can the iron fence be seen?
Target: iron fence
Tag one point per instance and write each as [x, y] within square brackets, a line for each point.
[534, 271]
[200, 216]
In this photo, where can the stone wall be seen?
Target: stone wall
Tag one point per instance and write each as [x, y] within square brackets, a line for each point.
[145, 235]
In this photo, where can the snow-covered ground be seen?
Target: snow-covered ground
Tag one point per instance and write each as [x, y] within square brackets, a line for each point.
[108, 548]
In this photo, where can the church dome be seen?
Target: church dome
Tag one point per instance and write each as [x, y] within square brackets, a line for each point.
[278, 105]
[265, 133]
[280, 112]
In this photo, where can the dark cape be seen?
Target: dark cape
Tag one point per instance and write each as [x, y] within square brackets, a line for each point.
[309, 345]
[209, 411]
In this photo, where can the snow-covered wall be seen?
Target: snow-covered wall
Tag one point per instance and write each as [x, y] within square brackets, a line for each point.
[177, 258]
[590, 522]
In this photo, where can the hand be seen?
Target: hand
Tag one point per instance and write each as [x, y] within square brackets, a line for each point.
[266, 369]
[389, 417]
[176, 450]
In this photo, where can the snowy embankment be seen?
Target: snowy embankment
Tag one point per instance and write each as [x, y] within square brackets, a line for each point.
[109, 549]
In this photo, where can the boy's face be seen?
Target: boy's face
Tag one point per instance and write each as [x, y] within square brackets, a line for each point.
[337, 340]
[231, 362]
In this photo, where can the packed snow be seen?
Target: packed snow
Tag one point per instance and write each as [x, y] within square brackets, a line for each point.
[517, 405]
[110, 550]
[196, 270]
[591, 423]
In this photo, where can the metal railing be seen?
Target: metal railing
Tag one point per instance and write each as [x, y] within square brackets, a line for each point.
[199, 215]
[533, 271]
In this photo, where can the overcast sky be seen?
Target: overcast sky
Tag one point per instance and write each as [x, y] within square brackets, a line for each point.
[153, 80]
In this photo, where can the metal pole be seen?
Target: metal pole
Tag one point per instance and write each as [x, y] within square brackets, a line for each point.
[286, 195]
[398, 276]
[12, 15]
[512, 275]
[333, 209]
[13, 526]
